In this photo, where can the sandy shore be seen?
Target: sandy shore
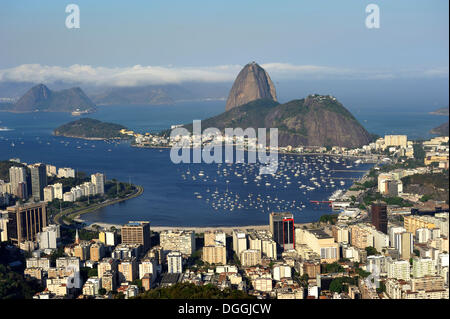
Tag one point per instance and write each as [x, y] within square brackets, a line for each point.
[226, 229]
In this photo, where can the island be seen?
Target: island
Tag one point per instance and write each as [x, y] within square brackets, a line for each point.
[92, 129]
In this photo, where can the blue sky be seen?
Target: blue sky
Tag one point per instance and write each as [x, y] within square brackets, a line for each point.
[187, 40]
[113, 33]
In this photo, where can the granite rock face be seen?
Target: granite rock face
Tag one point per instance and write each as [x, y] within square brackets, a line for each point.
[252, 83]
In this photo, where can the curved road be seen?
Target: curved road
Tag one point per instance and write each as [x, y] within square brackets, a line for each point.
[75, 213]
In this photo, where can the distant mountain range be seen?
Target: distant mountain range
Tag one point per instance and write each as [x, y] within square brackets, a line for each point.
[41, 99]
[160, 94]
[134, 95]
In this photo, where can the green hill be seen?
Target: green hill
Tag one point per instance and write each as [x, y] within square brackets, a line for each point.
[90, 129]
[314, 121]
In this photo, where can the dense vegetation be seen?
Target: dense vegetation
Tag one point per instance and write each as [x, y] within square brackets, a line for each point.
[90, 128]
[331, 268]
[13, 285]
[191, 291]
[438, 180]
[371, 251]
[316, 120]
[329, 218]
[433, 186]
[341, 284]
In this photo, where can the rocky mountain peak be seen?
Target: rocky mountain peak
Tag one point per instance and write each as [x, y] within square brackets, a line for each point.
[252, 83]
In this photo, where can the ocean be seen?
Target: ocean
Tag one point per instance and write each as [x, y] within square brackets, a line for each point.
[195, 194]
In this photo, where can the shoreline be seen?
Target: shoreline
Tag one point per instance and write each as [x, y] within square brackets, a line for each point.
[196, 229]
[75, 215]
[282, 153]
[92, 138]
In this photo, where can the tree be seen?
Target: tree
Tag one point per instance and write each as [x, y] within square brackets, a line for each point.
[371, 251]
[191, 291]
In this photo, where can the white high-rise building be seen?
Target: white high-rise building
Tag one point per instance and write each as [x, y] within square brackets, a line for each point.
[423, 267]
[423, 235]
[175, 262]
[68, 197]
[281, 271]
[66, 172]
[147, 266]
[392, 232]
[58, 190]
[49, 236]
[51, 170]
[49, 193]
[98, 180]
[239, 241]
[398, 269]
[17, 175]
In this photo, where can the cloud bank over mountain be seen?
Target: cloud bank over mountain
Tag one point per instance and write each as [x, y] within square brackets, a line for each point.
[150, 75]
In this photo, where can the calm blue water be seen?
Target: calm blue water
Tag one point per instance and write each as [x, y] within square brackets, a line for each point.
[172, 196]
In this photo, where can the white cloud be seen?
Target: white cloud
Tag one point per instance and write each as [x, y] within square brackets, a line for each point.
[145, 75]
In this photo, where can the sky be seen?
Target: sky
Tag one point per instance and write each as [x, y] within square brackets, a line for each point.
[127, 43]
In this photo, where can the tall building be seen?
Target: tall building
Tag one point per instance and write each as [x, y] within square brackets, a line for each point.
[107, 237]
[404, 242]
[178, 240]
[147, 266]
[98, 180]
[137, 233]
[239, 241]
[214, 238]
[48, 238]
[398, 269]
[58, 190]
[250, 257]
[127, 270]
[262, 240]
[283, 229]
[26, 221]
[393, 230]
[66, 172]
[379, 217]
[107, 264]
[38, 180]
[174, 262]
[18, 175]
[215, 254]
[320, 242]
[49, 194]
[97, 251]
[423, 267]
